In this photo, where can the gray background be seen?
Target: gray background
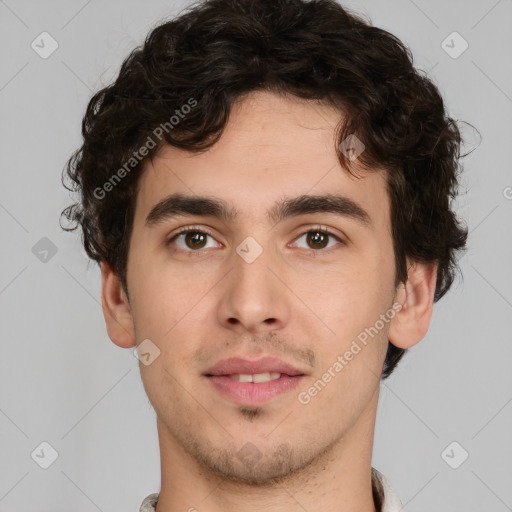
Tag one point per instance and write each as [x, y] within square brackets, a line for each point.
[61, 379]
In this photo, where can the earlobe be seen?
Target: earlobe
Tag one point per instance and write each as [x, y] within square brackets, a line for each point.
[416, 299]
[116, 309]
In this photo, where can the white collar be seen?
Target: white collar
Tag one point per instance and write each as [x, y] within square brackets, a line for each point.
[391, 501]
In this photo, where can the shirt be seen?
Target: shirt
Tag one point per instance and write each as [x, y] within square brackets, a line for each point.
[391, 501]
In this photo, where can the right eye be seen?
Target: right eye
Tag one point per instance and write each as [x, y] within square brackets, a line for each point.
[191, 239]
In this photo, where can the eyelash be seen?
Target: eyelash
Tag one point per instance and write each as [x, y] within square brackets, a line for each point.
[314, 229]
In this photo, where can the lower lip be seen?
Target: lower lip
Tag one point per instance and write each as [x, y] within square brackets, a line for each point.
[251, 393]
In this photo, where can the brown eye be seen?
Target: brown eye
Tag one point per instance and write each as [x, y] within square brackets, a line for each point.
[317, 239]
[192, 240]
[195, 239]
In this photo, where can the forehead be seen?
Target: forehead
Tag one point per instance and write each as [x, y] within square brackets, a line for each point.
[273, 147]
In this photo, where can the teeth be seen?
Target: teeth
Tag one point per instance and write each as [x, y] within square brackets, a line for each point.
[265, 377]
[256, 377]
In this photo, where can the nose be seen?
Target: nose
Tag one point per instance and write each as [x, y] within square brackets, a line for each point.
[253, 296]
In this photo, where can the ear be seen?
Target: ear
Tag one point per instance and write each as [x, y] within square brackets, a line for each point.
[416, 297]
[116, 309]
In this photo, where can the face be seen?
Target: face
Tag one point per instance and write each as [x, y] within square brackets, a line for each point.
[286, 287]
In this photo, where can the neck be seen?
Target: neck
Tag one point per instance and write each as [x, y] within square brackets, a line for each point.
[340, 479]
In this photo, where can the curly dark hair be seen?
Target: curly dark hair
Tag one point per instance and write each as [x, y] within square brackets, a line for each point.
[216, 52]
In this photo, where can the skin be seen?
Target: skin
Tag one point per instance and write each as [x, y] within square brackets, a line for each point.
[199, 310]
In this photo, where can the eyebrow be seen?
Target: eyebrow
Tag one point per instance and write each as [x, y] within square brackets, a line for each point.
[183, 205]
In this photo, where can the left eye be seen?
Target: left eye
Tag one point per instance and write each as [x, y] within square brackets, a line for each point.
[318, 239]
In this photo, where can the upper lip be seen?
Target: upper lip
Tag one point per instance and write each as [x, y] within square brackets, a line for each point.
[238, 365]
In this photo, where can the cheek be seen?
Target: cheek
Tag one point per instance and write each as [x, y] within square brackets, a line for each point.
[172, 371]
[349, 295]
[164, 388]
[350, 303]
[163, 298]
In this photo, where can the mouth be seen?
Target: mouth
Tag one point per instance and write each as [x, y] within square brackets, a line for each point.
[253, 382]
[256, 377]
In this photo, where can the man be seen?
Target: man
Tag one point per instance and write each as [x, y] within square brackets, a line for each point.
[266, 187]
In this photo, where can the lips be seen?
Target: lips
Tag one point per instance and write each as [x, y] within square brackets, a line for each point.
[253, 382]
[239, 366]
